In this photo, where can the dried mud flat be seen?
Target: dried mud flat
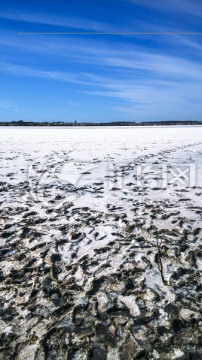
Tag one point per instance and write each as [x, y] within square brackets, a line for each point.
[96, 271]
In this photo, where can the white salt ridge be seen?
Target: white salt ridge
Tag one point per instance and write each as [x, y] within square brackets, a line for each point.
[130, 302]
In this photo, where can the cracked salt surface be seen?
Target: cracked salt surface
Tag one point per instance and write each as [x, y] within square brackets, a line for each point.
[82, 274]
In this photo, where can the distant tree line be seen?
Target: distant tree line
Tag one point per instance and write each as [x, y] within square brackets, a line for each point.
[113, 123]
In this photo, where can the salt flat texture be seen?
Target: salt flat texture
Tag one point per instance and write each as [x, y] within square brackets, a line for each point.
[100, 242]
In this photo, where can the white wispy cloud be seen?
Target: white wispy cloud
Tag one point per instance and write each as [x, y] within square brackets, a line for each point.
[118, 55]
[39, 73]
[135, 77]
[63, 22]
[188, 7]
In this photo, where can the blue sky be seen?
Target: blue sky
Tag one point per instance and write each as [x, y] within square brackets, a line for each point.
[100, 77]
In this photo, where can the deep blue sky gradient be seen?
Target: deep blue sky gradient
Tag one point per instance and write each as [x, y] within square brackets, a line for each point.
[100, 77]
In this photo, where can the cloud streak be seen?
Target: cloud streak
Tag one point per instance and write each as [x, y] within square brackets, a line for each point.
[21, 70]
[187, 7]
[63, 22]
[154, 75]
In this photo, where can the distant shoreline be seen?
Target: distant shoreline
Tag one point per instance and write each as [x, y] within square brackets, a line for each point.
[115, 123]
